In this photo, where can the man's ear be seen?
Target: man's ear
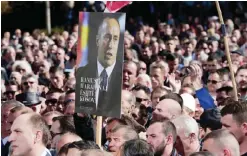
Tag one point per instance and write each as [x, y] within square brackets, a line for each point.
[38, 137]
[227, 152]
[244, 128]
[169, 139]
[192, 137]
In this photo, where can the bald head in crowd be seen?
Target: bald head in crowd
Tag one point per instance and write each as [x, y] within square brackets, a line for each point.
[221, 142]
[167, 109]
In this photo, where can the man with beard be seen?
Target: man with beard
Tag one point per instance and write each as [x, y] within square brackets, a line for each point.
[187, 140]
[161, 136]
[241, 76]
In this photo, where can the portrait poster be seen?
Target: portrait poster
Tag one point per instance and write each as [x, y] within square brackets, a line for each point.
[100, 63]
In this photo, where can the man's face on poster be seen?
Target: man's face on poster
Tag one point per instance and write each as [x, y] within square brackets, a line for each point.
[107, 42]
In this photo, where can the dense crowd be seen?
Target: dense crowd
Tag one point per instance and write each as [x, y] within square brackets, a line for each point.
[177, 94]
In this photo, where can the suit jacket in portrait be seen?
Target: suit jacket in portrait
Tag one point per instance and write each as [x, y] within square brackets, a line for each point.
[110, 104]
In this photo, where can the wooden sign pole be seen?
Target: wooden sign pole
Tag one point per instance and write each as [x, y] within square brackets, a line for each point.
[99, 130]
[227, 51]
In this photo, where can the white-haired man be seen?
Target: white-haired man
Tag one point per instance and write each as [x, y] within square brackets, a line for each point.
[145, 80]
[187, 139]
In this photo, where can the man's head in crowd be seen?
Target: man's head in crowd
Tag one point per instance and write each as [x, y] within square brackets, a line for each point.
[136, 147]
[214, 82]
[9, 54]
[221, 142]
[234, 118]
[57, 77]
[61, 125]
[158, 73]
[14, 113]
[212, 64]
[241, 75]
[128, 102]
[30, 139]
[12, 89]
[119, 135]
[107, 41]
[142, 94]
[188, 133]
[44, 67]
[29, 83]
[161, 136]
[66, 138]
[5, 112]
[144, 79]
[170, 45]
[156, 94]
[129, 74]
[76, 148]
[213, 46]
[169, 107]
[52, 100]
[23, 67]
[146, 53]
[173, 62]
[69, 108]
[142, 67]
[49, 116]
[38, 56]
[16, 76]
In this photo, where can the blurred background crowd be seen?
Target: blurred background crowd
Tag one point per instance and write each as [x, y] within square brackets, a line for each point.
[177, 95]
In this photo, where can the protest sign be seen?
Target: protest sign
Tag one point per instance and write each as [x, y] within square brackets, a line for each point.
[99, 63]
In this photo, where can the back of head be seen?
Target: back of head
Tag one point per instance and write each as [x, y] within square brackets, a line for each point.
[222, 140]
[66, 123]
[173, 96]
[186, 124]
[136, 147]
[83, 145]
[38, 123]
[67, 138]
[93, 152]
[202, 153]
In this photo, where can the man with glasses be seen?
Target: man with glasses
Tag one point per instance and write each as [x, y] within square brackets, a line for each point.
[52, 100]
[12, 89]
[213, 84]
[142, 94]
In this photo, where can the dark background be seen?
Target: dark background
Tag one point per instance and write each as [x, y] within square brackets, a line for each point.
[31, 15]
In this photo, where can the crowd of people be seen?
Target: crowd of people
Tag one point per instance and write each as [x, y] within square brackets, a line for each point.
[177, 93]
